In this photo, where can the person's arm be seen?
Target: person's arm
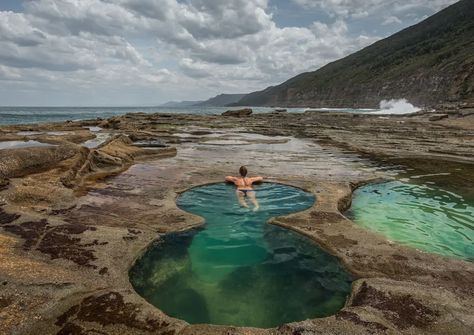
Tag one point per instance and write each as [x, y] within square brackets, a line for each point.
[230, 179]
[256, 179]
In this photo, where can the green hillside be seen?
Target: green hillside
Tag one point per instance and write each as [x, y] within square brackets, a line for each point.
[429, 63]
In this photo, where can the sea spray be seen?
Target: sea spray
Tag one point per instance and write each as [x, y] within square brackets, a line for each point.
[396, 106]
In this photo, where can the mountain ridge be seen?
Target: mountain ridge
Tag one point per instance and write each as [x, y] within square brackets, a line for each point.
[221, 100]
[429, 63]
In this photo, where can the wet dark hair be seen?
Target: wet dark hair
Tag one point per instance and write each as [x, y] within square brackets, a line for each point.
[243, 171]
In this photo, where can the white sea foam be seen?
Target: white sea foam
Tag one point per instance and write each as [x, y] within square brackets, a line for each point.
[396, 106]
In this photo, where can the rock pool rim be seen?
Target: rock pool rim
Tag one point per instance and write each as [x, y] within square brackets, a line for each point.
[269, 181]
[200, 222]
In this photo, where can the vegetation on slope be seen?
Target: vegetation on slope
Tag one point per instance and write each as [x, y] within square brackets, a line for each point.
[429, 63]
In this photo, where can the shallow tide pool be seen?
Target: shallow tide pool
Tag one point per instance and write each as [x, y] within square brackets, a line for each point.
[238, 270]
[23, 144]
[425, 217]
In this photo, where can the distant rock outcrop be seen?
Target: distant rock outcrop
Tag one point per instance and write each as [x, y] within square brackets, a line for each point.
[427, 64]
[238, 112]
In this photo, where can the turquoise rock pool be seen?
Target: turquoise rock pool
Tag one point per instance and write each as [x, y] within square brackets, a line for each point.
[238, 270]
[426, 217]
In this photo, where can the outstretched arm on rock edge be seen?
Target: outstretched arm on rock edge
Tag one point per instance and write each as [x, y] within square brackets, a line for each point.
[256, 179]
[230, 179]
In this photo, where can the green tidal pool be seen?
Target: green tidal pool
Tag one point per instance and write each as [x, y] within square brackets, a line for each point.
[422, 216]
[238, 270]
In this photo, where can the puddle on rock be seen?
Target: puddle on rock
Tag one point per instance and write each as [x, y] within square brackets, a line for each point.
[98, 140]
[23, 144]
[238, 270]
[93, 129]
[29, 133]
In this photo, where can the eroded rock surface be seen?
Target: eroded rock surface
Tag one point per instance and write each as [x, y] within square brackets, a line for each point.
[68, 234]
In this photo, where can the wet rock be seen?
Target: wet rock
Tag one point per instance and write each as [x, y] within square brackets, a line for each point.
[61, 241]
[372, 327]
[238, 112]
[403, 310]
[112, 123]
[3, 183]
[437, 117]
[110, 309]
[150, 144]
[30, 232]
[6, 218]
[200, 133]
[103, 271]
[4, 302]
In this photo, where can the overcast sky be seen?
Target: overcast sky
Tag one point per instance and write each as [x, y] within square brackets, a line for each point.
[146, 52]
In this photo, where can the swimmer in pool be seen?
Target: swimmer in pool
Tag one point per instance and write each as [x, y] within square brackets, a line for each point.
[244, 187]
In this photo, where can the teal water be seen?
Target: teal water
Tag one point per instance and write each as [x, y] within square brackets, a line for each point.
[238, 270]
[426, 217]
[25, 115]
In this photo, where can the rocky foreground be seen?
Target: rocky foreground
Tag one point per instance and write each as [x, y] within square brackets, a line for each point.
[77, 212]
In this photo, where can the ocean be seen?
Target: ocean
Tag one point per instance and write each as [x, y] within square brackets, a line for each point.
[24, 115]
[28, 115]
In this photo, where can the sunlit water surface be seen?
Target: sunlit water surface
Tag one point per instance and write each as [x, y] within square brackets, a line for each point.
[425, 217]
[238, 270]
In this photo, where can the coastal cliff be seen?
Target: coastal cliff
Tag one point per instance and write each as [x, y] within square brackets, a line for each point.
[429, 64]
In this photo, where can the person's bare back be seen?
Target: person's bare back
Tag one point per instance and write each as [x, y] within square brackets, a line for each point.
[244, 187]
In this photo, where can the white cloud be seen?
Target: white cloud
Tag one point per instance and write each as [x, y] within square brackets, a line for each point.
[391, 20]
[178, 49]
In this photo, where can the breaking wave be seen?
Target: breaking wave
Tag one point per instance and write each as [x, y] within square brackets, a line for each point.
[396, 106]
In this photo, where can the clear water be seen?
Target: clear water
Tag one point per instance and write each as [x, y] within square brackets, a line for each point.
[426, 217]
[238, 270]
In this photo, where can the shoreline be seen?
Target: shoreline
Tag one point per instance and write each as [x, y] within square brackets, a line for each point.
[398, 288]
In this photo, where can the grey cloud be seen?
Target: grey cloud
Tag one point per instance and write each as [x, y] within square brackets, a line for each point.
[226, 19]
[157, 9]
[64, 17]
[15, 28]
[87, 45]
[360, 8]
[193, 70]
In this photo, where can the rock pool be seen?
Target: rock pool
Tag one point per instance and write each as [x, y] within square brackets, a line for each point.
[238, 270]
[426, 217]
[22, 144]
